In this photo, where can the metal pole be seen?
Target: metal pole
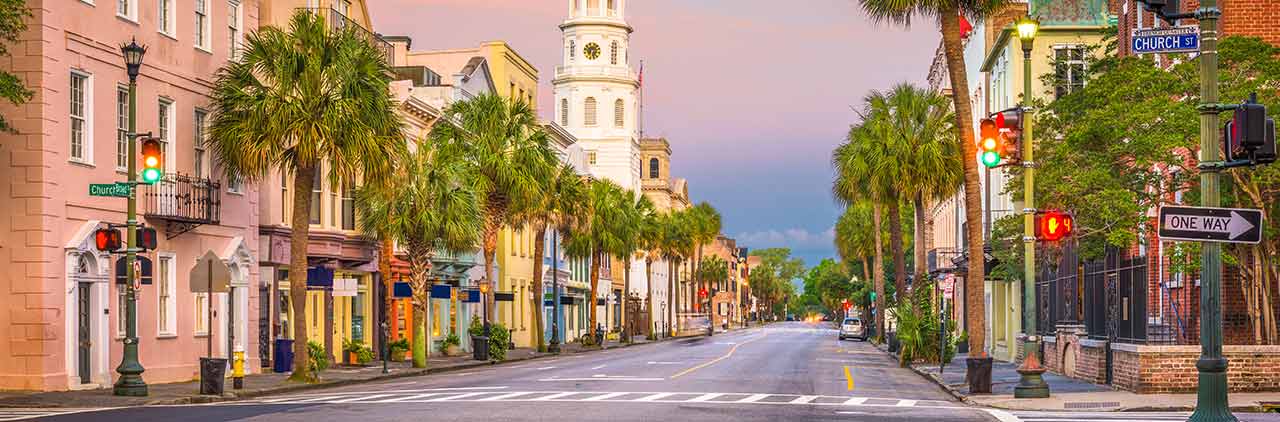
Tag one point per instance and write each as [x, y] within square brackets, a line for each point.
[130, 382]
[554, 347]
[208, 304]
[1211, 398]
[1031, 381]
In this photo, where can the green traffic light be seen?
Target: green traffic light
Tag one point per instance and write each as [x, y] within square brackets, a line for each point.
[151, 175]
[990, 159]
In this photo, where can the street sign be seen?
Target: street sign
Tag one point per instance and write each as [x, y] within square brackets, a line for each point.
[118, 190]
[210, 273]
[1182, 39]
[143, 270]
[1199, 224]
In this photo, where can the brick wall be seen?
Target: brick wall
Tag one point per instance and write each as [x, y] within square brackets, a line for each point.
[1171, 369]
[1052, 359]
[1091, 362]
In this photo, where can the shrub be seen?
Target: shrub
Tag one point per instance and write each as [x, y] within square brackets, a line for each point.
[920, 329]
[397, 349]
[363, 353]
[499, 341]
[450, 340]
[317, 359]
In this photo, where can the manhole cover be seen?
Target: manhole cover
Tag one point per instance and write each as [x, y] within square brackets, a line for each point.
[1090, 404]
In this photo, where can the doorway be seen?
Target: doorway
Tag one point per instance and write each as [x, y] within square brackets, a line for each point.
[84, 330]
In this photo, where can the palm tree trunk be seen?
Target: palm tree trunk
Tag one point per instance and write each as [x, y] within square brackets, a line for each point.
[899, 252]
[975, 314]
[878, 280]
[300, 225]
[591, 302]
[539, 247]
[648, 294]
[921, 266]
[492, 224]
[626, 298]
[384, 267]
[672, 295]
[419, 268]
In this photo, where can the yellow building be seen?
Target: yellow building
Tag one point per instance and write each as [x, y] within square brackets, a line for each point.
[512, 77]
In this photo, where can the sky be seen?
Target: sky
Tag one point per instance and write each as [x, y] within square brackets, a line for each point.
[753, 95]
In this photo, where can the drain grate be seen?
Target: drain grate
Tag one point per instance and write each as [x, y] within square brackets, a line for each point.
[1090, 404]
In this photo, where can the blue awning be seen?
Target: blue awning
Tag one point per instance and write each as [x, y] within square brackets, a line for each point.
[402, 290]
[319, 278]
[473, 296]
[441, 291]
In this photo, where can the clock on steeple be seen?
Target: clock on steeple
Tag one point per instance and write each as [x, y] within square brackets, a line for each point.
[591, 51]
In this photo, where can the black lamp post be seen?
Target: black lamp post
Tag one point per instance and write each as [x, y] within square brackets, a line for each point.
[130, 382]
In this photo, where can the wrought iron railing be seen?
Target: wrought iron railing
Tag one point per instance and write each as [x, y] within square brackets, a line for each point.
[339, 21]
[179, 198]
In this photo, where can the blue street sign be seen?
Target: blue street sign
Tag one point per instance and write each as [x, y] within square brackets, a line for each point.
[1183, 39]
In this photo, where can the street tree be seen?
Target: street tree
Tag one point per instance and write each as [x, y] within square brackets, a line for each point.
[600, 232]
[713, 271]
[637, 209]
[947, 13]
[861, 176]
[706, 227]
[649, 244]
[13, 15]
[677, 246]
[431, 209]
[300, 100]
[555, 207]
[509, 155]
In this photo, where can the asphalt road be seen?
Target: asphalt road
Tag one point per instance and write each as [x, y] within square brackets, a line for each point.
[784, 372]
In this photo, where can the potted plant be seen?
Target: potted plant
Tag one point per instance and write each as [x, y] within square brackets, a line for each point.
[397, 349]
[357, 353]
[452, 345]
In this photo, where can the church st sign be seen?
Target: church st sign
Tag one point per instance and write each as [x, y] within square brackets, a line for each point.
[1198, 224]
[1182, 39]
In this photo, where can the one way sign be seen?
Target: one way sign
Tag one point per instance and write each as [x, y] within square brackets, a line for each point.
[1199, 224]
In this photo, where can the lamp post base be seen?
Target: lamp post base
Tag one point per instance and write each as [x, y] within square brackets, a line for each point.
[130, 385]
[1031, 383]
[1211, 396]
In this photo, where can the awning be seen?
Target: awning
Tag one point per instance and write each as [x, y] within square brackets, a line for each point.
[504, 297]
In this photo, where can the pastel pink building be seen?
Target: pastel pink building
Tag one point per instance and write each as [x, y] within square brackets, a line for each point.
[61, 319]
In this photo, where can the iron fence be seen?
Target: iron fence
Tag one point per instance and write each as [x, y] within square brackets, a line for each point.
[179, 198]
[1116, 302]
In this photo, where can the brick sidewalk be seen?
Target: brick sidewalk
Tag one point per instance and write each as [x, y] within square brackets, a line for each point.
[257, 385]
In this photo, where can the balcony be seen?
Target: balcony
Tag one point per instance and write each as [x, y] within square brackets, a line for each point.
[183, 202]
[595, 70]
[339, 21]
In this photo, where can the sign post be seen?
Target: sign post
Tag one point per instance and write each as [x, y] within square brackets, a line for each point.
[1182, 39]
[210, 275]
[1208, 224]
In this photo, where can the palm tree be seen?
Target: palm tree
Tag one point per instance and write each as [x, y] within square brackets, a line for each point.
[713, 271]
[295, 100]
[865, 173]
[555, 207]
[881, 120]
[649, 243]
[637, 209]
[677, 245]
[706, 226]
[433, 208]
[600, 233]
[508, 153]
[948, 13]
[854, 241]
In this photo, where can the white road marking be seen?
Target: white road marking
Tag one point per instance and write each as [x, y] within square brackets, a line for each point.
[655, 396]
[803, 399]
[906, 403]
[505, 396]
[605, 396]
[24, 414]
[752, 398]
[663, 363]
[705, 397]
[459, 396]
[604, 378]
[555, 396]
[409, 398]
[545, 368]
[361, 398]
[597, 367]
[855, 401]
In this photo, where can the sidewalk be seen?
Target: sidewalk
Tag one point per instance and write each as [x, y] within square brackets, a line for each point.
[1068, 394]
[257, 385]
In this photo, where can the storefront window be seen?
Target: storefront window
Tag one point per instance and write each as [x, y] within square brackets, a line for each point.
[357, 317]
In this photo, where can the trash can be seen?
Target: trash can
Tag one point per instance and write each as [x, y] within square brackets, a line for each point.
[282, 359]
[893, 342]
[213, 372]
[480, 348]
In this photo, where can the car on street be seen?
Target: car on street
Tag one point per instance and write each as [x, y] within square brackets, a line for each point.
[853, 328]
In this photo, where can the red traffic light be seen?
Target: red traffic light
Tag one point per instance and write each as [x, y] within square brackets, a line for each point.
[1054, 226]
[107, 240]
[702, 293]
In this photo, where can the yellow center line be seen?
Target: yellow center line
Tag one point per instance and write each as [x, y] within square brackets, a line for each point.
[848, 376]
[713, 361]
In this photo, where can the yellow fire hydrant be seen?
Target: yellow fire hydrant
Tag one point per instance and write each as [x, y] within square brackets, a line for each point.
[237, 370]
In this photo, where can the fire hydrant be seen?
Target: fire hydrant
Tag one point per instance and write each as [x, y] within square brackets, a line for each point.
[237, 370]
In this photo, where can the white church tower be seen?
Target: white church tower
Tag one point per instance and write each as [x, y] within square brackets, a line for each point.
[596, 89]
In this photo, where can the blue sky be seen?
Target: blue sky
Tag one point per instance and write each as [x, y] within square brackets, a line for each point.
[752, 94]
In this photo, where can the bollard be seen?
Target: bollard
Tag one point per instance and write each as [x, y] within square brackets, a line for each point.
[237, 370]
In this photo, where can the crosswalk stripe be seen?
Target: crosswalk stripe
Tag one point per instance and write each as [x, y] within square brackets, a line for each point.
[855, 401]
[803, 399]
[360, 398]
[409, 398]
[752, 398]
[656, 396]
[505, 396]
[555, 396]
[906, 403]
[705, 397]
[316, 399]
[605, 396]
[455, 397]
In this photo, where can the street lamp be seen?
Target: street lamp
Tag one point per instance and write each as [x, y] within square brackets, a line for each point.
[484, 304]
[1031, 380]
[130, 382]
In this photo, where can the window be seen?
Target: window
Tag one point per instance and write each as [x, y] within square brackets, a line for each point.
[653, 168]
[284, 197]
[202, 24]
[233, 29]
[589, 111]
[564, 112]
[333, 204]
[613, 50]
[591, 157]
[165, 17]
[349, 206]
[81, 106]
[1069, 69]
[165, 117]
[202, 314]
[122, 129]
[122, 303]
[127, 9]
[234, 183]
[316, 187]
[619, 116]
[344, 7]
[573, 51]
[167, 303]
[198, 162]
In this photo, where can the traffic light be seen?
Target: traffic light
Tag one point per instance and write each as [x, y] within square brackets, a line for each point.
[1250, 135]
[1052, 226]
[147, 238]
[1009, 124]
[152, 160]
[989, 143]
[1164, 8]
[107, 240]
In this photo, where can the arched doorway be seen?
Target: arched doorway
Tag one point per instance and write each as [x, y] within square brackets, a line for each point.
[87, 324]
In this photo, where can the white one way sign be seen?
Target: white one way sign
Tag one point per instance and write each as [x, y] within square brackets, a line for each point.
[1201, 224]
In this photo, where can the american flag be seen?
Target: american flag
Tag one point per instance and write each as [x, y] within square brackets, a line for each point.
[641, 77]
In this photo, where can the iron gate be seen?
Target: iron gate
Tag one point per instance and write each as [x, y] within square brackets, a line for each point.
[1116, 301]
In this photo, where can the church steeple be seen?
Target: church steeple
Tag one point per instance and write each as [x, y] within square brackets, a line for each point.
[609, 9]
